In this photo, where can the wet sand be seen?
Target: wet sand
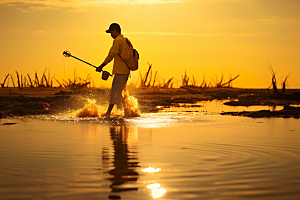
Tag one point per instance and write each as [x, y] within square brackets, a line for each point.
[33, 101]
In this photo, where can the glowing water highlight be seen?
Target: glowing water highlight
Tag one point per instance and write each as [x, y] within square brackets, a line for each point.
[131, 108]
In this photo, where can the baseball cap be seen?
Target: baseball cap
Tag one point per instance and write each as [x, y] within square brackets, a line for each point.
[113, 26]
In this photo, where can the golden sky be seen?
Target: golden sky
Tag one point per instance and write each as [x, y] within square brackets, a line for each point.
[204, 37]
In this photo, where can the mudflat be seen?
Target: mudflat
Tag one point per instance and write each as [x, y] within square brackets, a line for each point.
[32, 101]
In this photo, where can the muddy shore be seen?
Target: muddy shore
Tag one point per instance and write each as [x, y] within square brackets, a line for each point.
[33, 101]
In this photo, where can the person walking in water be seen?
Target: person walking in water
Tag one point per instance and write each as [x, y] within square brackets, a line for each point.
[120, 69]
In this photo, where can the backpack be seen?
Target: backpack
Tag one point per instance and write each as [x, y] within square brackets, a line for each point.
[130, 57]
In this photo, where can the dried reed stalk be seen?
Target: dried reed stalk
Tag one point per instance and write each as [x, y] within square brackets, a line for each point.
[153, 84]
[219, 83]
[51, 82]
[194, 81]
[228, 82]
[2, 85]
[150, 79]
[185, 80]
[60, 85]
[91, 81]
[273, 78]
[26, 82]
[18, 79]
[46, 80]
[168, 82]
[36, 81]
[12, 80]
[204, 82]
[64, 83]
[30, 81]
[49, 79]
[21, 81]
[146, 75]
[284, 83]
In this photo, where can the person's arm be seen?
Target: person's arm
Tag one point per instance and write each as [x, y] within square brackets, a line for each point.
[111, 54]
[99, 69]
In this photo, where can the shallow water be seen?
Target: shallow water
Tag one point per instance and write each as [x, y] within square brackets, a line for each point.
[217, 106]
[171, 155]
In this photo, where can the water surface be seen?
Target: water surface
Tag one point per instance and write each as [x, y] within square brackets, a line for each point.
[218, 106]
[164, 156]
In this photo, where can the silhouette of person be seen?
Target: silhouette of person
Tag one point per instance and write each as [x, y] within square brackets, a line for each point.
[120, 69]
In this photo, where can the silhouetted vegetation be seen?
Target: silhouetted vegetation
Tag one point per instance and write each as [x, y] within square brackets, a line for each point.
[188, 81]
[2, 85]
[274, 81]
[148, 81]
[48, 81]
[284, 83]
[274, 84]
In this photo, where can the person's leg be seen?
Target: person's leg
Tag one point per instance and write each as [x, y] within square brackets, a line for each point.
[109, 109]
[118, 84]
[113, 97]
[123, 98]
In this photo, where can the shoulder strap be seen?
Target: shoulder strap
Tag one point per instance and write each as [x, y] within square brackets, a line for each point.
[124, 61]
[127, 41]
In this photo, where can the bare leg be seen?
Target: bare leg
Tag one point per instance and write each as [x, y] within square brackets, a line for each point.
[118, 84]
[126, 112]
[109, 109]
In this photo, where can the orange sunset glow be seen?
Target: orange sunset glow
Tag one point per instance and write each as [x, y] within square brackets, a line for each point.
[204, 37]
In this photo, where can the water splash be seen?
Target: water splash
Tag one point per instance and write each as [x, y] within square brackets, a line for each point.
[131, 105]
[90, 110]
[131, 108]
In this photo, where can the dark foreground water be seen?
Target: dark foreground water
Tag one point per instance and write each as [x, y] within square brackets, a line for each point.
[165, 156]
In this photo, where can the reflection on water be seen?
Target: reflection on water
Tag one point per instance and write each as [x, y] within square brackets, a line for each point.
[153, 186]
[124, 175]
[217, 106]
[159, 120]
[185, 157]
[150, 169]
[156, 190]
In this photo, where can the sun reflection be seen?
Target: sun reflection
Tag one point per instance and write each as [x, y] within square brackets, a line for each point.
[155, 120]
[156, 193]
[156, 190]
[150, 169]
[153, 186]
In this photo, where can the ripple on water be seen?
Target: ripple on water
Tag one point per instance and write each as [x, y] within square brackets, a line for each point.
[240, 170]
[86, 160]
